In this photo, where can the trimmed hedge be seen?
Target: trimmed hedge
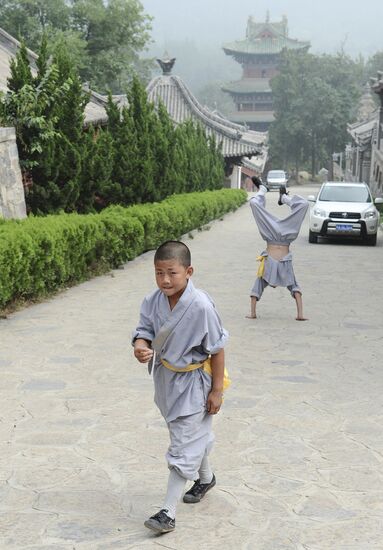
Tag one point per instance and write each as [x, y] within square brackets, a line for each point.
[41, 254]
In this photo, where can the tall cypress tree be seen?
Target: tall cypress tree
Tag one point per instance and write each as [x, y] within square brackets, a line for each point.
[141, 113]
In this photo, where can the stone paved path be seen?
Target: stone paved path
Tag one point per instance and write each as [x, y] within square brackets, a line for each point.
[299, 449]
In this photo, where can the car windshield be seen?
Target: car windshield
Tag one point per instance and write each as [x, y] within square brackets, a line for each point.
[345, 193]
[276, 174]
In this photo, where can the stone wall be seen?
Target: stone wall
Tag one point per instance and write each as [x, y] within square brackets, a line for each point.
[12, 200]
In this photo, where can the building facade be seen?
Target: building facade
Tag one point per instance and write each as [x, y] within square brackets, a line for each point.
[364, 155]
[376, 175]
[259, 55]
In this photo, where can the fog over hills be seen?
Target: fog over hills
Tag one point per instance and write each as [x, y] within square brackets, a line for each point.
[194, 32]
[328, 24]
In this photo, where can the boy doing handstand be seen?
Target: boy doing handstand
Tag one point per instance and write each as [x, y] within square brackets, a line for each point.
[180, 334]
[276, 267]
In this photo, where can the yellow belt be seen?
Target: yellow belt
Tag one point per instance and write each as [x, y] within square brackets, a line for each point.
[261, 268]
[205, 365]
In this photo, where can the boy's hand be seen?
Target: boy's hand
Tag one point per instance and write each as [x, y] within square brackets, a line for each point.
[214, 402]
[143, 354]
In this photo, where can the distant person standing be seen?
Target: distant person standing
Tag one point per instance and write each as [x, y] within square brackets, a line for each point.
[276, 267]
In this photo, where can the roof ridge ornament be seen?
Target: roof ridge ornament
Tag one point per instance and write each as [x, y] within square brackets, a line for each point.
[166, 64]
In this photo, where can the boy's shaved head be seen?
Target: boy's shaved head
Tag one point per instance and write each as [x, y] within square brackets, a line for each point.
[173, 250]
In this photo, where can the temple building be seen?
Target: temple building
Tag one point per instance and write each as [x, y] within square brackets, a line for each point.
[363, 134]
[259, 55]
[364, 155]
[244, 150]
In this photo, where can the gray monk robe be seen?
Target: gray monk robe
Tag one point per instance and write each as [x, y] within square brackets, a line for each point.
[186, 335]
[278, 232]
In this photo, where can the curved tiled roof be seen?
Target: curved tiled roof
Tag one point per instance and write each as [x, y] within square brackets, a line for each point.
[236, 140]
[264, 38]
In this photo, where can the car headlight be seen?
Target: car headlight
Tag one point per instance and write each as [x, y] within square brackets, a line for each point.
[320, 213]
[370, 214]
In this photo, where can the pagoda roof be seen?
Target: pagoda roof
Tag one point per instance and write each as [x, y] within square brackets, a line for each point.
[248, 86]
[265, 38]
[95, 110]
[236, 140]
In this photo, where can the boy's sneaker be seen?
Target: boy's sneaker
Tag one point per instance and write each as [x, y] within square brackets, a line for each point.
[198, 491]
[161, 522]
[282, 191]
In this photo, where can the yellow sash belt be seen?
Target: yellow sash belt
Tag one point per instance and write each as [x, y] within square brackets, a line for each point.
[261, 268]
[205, 365]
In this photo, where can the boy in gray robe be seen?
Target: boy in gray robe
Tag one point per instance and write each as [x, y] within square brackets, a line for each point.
[181, 337]
[276, 267]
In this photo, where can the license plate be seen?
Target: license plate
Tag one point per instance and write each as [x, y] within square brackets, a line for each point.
[343, 227]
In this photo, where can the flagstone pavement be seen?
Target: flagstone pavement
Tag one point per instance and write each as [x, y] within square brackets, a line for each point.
[299, 441]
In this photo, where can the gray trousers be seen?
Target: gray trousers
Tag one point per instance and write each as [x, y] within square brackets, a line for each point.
[260, 285]
[275, 230]
[191, 437]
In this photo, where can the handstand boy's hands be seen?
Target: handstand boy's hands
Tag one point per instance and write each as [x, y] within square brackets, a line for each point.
[214, 402]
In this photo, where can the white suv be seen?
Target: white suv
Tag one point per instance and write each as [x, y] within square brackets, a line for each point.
[344, 210]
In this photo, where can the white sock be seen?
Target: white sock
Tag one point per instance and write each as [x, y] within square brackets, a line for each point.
[286, 199]
[262, 189]
[204, 472]
[176, 487]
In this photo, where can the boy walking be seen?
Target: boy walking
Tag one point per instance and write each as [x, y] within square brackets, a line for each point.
[276, 267]
[181, 337]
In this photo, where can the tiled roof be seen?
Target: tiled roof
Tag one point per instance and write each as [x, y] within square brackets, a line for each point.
[264, 38]
[236, 140]
[248, 86]
[362, 132]
[269, 45]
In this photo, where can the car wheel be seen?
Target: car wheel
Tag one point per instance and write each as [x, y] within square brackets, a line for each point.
[370, 240]
[313, 237]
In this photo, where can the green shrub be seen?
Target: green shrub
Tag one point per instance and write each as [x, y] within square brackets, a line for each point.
[41, 254]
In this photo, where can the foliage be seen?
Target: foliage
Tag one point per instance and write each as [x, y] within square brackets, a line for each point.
[48, 113]
[153, 159]
[314, 99]
[41, 254]
[104, 38]
[138, 157]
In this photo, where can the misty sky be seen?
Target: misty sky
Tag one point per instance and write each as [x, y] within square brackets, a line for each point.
[327, 24]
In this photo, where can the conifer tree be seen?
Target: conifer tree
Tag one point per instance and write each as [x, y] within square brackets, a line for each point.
[20, 69]
[97, 189]
[141, 112]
